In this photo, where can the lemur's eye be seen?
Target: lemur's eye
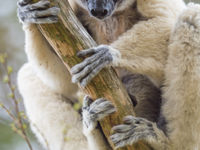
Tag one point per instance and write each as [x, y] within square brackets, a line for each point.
[115, 1]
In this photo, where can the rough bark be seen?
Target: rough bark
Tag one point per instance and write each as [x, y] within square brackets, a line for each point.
[67, 37]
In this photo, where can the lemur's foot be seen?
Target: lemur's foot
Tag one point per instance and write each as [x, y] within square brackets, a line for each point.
[99, 58]
[38, 13]
[95, 111]
[133, 130]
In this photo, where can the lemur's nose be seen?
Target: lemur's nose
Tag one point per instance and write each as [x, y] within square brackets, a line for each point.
[99, 13]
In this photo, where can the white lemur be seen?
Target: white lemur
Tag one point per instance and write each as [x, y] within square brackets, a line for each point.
[140, 29]
[143, 49]
[46, 86]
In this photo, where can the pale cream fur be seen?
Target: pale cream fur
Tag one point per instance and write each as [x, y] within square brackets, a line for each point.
[181, 90]
[147, 51]
[182, 85]
[43, 107]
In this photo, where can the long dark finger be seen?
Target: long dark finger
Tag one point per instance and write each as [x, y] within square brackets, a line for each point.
[128, 119]
[43, 13]
[77, 68]
[45, 20]
[87, 101]
[121, 128]
[97, 102]
[87, 52]
[94, 72]
[102, 107]
[24, 2]
[87, 70]
[37, 6]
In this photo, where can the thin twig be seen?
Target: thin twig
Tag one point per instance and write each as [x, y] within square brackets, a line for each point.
[8, 111]
[19, 118]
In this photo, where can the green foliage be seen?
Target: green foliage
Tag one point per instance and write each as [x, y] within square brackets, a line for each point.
[3, 57]
[9, 70]
[77, 106]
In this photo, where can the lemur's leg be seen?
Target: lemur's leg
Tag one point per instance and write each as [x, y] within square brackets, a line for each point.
[44, 61]
[92, 113]
[52, 117]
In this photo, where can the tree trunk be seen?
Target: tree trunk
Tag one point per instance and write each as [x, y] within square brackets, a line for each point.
[67, 37]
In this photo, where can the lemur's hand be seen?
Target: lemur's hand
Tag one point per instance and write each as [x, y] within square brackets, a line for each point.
[99, 58]
[38, 13]
[133, 130]
[94, 111]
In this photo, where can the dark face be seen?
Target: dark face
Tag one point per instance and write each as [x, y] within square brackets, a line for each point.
[100, 8]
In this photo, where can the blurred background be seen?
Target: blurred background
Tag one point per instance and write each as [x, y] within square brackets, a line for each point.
[12, 43]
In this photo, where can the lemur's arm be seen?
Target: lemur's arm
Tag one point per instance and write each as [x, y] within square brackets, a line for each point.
[45, 62]
[142, 49]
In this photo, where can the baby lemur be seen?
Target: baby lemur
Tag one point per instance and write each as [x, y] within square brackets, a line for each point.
[139, 29]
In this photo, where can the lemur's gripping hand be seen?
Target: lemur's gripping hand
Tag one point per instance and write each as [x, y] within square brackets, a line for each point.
[99, 57]
[38, 13]
[133, 130]
[95, 111]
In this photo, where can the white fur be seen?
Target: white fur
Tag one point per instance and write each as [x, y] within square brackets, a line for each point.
[143, 49]
[182, 86]
[181, 98]
[43, 107]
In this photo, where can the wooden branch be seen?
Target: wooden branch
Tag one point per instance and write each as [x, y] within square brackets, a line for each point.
[67, 37]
